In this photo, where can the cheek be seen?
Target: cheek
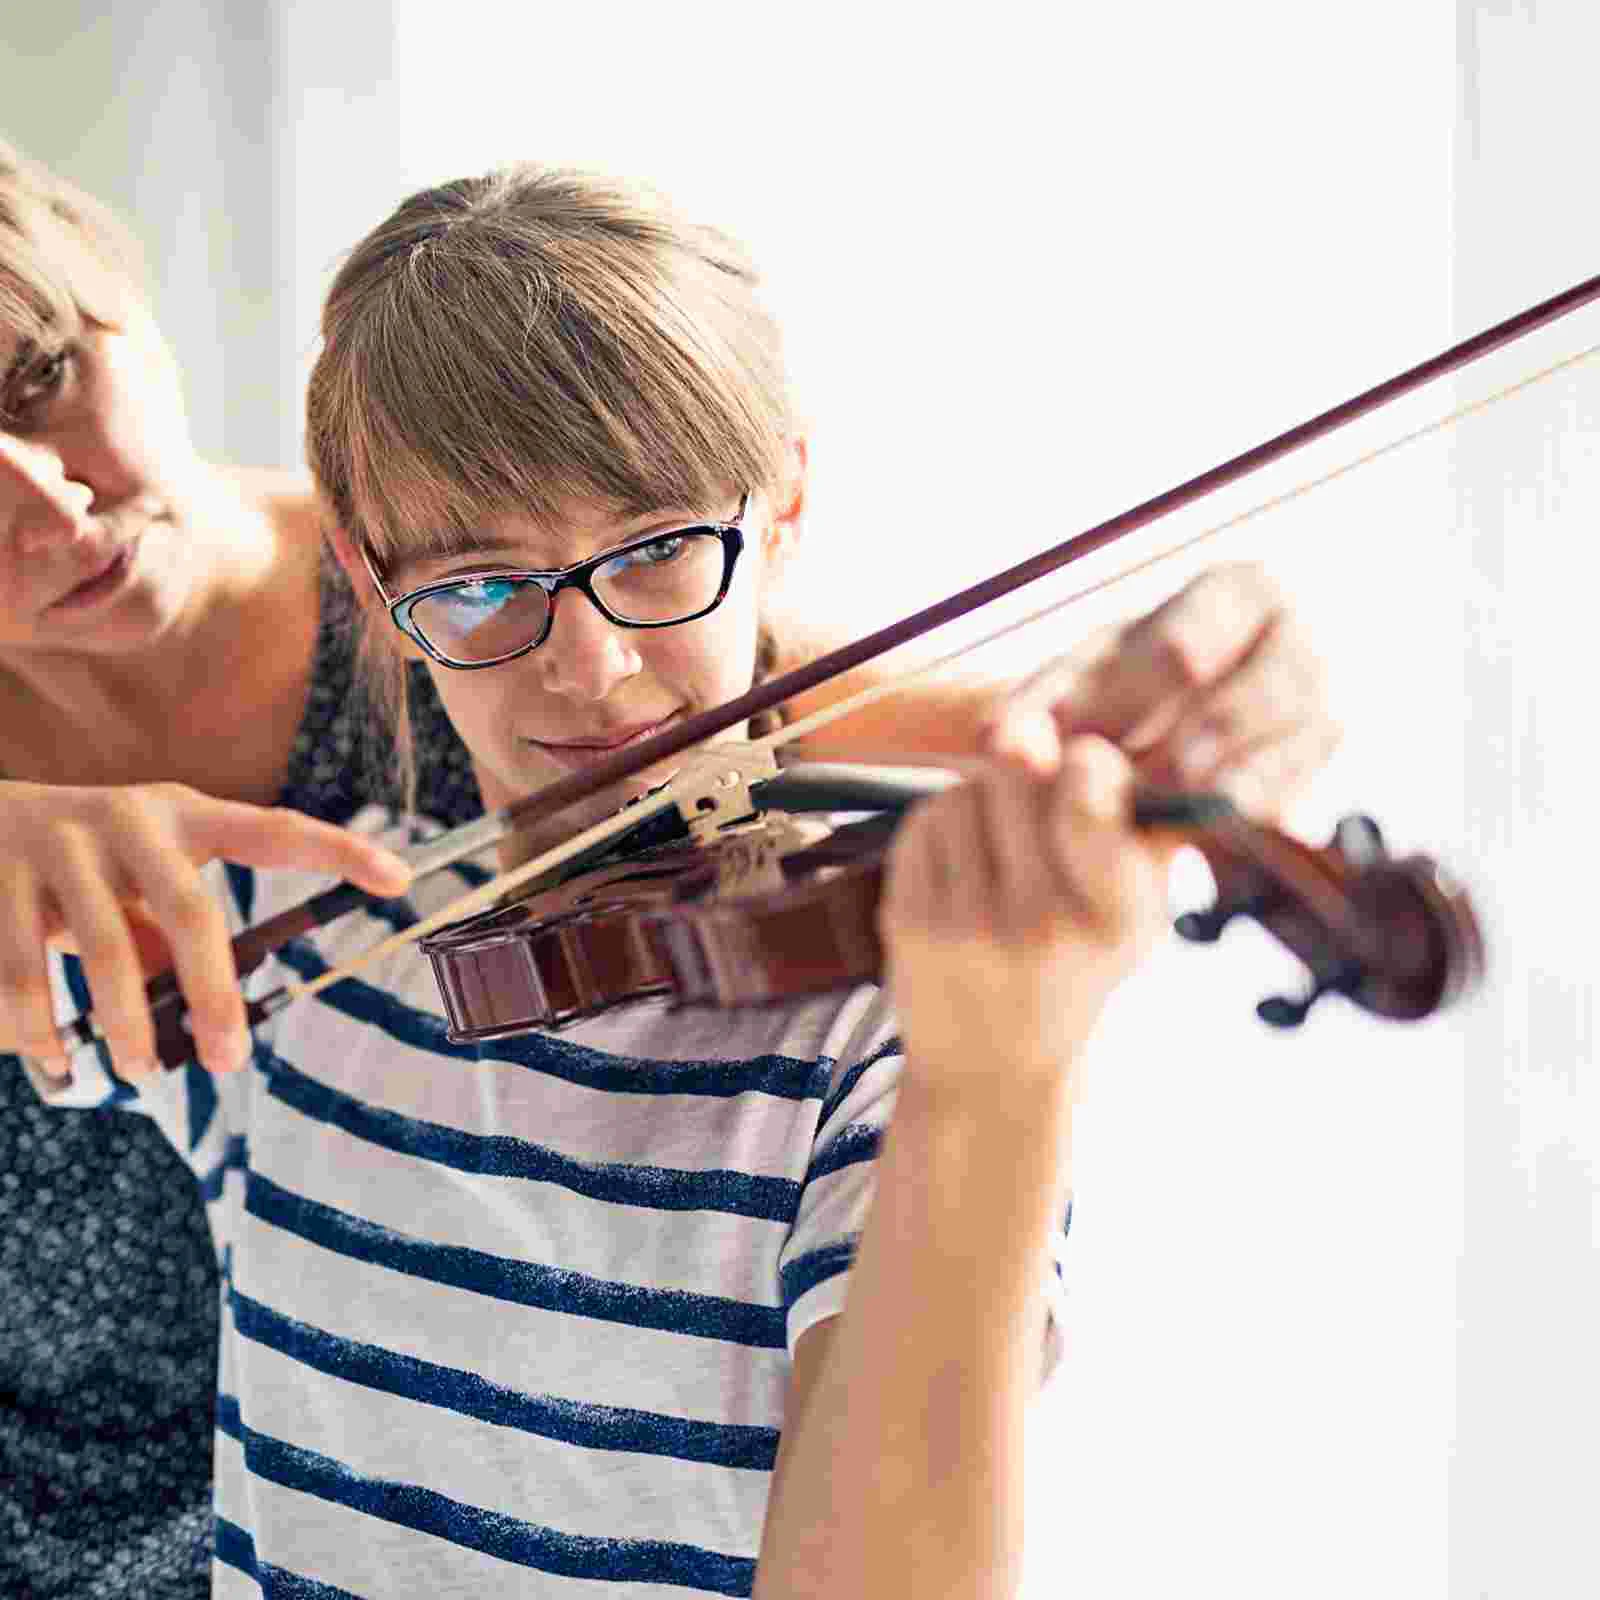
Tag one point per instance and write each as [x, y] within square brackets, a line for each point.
[715, 657]
[138, 419]
[475, 708]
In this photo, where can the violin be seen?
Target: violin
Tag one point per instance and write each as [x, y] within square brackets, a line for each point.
[1397, 937]
[718, 916]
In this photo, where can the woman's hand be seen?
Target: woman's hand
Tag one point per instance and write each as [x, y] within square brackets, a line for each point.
[1014, 903]
[114, 874]
[1218, 688]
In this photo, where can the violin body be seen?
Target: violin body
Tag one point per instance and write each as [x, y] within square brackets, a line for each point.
[664, 925]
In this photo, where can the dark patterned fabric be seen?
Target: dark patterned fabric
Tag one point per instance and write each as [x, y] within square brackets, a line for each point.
[108, 1279]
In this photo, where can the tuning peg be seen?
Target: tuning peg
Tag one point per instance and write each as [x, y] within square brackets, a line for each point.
[1283, 1012]
[1205, 927]
[1359, 840]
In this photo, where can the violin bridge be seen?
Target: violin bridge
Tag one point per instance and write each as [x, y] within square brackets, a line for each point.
[714, 787]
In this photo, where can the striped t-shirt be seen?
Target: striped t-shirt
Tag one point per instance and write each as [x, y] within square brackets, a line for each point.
[518, 1318]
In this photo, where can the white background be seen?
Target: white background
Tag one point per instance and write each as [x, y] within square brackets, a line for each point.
[1334, 1303]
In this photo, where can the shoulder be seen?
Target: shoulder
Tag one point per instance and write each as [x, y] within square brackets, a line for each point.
[289, 498]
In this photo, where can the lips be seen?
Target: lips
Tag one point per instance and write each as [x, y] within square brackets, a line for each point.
[576, 753]
[607, 741]
[100, 580]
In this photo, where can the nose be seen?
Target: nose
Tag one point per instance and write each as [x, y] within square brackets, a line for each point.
[39, 503]
[585, 656]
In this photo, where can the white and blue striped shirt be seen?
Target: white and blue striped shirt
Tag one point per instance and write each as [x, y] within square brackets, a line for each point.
[515, 1318]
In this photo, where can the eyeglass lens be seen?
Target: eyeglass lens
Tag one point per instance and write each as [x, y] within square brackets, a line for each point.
[667, 580]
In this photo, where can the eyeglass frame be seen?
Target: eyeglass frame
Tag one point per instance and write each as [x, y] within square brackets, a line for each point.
[579, 576]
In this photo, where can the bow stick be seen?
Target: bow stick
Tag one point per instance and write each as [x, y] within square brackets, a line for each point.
[254, 944]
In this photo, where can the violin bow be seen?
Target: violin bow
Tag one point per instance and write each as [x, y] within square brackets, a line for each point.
[251, 946]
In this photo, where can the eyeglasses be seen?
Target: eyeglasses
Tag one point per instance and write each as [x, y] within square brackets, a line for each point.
[654, 582]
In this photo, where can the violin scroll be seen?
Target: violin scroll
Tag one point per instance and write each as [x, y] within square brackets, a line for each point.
[1395, 935]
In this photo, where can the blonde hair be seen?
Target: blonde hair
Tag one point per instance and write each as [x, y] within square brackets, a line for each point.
[512, 341]
[56, 247]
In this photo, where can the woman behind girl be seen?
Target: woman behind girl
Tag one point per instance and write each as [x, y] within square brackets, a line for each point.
[671, 1291]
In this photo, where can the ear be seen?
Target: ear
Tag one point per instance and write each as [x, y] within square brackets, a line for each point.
[781, 537]
[360, 581]
[350, 562]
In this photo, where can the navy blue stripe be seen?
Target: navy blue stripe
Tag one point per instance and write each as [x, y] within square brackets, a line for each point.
[856, 1141]
[472, 874]
[494, 1533]
[78, 988]
[235, 1158]
[595, 1427]
[787, 1077]
[242, 886]
[891, 1047]
[502, 1156]
[519, 1282]
[235, 1548]
[814, 1267]
[200, 1093]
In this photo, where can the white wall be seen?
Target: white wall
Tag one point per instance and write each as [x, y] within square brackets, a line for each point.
[1526, 1461]
[161, 112]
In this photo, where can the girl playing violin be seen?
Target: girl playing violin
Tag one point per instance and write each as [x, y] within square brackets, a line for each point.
[742, 1303]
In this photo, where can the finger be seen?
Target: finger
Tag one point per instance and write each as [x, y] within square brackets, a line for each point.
[1016, 815]
[1026, 737]
[88, 905]
[923, 864]
[956, 860]
[1049, 692]
[1135, 693]
[24, 973]
[1273, 694]
[1262, 779]
[273, 836]
[1097, 778]
[195, 926]
[1099, 860]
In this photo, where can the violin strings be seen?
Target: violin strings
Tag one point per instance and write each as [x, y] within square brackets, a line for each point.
[481, 898]
[499, 886]
[866, 697]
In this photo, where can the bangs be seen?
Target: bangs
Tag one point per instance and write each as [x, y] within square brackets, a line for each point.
[64, 258]
[481, 369]
[37, 303]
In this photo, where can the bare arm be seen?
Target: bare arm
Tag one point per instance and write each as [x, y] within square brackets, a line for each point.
[943, 716]
[901, 1465]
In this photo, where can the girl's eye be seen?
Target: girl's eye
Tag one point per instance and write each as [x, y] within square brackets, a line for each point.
[479, 596]
[655, 554]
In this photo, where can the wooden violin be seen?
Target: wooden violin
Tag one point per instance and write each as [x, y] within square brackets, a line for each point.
[1393, 935]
